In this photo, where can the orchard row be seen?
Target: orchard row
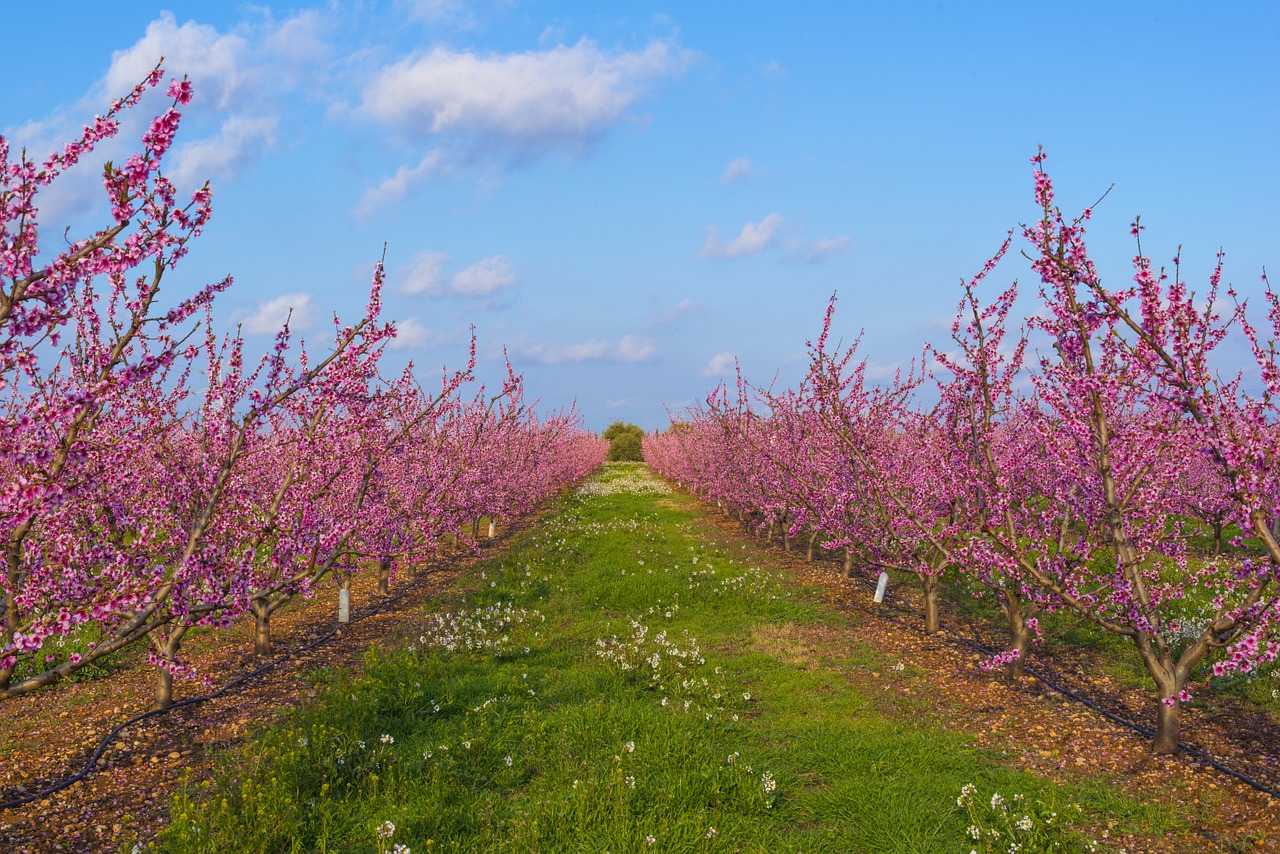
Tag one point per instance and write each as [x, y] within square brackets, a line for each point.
[154, 478]
[1060, 481]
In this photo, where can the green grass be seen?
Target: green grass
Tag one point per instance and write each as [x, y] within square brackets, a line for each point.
[530, 715]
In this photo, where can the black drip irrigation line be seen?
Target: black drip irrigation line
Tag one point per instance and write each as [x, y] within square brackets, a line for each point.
[88, 768]
[1189, 749]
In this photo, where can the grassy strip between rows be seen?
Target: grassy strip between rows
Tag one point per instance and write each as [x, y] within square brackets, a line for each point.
[598, 689]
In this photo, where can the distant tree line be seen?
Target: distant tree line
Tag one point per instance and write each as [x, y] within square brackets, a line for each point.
[624, 442]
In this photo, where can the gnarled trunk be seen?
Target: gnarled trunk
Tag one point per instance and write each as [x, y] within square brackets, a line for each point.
[813, 535]
[1019, 634]
[929, 587]
[848, 562]
[166, 649]
[1169, 683]
[261, 608]
[384, 575]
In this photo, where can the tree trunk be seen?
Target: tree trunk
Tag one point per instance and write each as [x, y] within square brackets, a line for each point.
[167, 651]
[786, 535]
[1165, 675]
[929, 586]
[384, 575]
[1217, 539]
[848, 562]
[773, 524]
[813, 535]
[1166, 728]
[262, 618]
[1019, 635]
[475, 529]
[164, 689]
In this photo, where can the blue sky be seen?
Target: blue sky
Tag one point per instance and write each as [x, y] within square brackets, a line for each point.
[627, 196]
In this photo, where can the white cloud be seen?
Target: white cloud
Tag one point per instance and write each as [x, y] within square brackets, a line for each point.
[754, 238]
[817, 251]
[737, 170]
[219, 64]
[406, 178]
[425, 274]
[485, 277]
[882, 370]
[299, 40]
[620, 403]
[436, 11]
[628, 348]
[234, 148]
[773, 68]
[240, 79]
[680, 309]
[511, 107]
[411, 335]
[566, 94]
[721, 364]
[271, 315]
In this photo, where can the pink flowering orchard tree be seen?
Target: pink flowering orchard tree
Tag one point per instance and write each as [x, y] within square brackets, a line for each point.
[137, 504]
[1002, 467]
[67, 383]
[902, 513]
[1125, 401]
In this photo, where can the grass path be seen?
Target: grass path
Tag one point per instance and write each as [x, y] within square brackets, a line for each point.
[614, 683]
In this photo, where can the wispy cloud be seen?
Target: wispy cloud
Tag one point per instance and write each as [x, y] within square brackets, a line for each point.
[667, 316]
[396, 187]
[270, 316]
[754, 238]
[485, 277]
[412, 335]
[819, 250]
[737, 170]
[566, 94]
[773, 69]
[628, 348]
[719, 365]
[512, 107]
[233, 148]
[242, 79]
[424, 275]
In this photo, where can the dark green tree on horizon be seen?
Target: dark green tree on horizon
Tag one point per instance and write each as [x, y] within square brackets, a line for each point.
[624, 442]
